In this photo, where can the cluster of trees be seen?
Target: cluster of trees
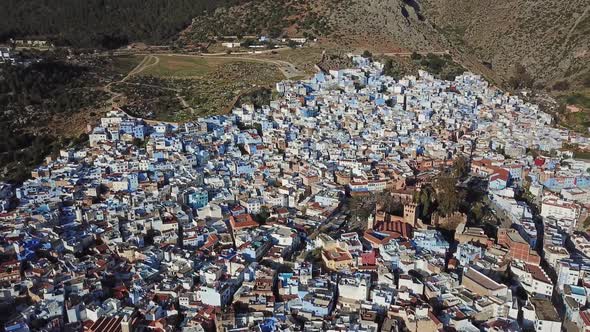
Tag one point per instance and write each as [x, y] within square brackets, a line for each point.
[20, 151]
[255, 17]
[390, 68]
[451, 191]
[521, 78]
[45, 88]
[250, 18]
[31, 84]
[561, 86]
[440, 66]
[29, 96]
[258, 97]
[100, 23]
[315, 24]
[443, 196]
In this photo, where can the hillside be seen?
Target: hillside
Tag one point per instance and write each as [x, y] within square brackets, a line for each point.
[100, 23]
[381, 26]
[385, 25]
[540, 44]
[549, 38]
[514, 44]
[43, 106]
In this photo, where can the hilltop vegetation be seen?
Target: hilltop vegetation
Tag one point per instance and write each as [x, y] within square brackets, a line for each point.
[257, 17]
[441, 66]
[379, 24]
[100, 23]
[32, 99]
[48, 104]
[550, 39]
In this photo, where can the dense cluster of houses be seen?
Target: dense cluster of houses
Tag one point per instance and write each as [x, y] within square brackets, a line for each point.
[236, 222]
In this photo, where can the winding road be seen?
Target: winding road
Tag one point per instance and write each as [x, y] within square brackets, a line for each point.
[147, 62]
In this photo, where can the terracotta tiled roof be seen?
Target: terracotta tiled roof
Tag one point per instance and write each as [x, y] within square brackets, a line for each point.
[242, 221]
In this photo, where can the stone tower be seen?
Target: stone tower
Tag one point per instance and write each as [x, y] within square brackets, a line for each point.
[410, 213]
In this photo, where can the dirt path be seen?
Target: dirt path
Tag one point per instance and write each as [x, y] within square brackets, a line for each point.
[147, 62]
[143, 65]
[288, 69]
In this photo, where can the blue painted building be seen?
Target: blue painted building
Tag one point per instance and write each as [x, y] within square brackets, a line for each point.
[430, 240]
[197, 198]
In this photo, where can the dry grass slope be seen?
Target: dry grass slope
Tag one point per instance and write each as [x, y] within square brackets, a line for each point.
[550, 38]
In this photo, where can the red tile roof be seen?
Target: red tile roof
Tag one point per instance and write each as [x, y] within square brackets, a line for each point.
[242, 221]
[501, 174]
[585, 315]
[397, 226]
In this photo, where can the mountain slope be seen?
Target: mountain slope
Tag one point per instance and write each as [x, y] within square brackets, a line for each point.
[386, 25]
[100, 23]
[549, 38]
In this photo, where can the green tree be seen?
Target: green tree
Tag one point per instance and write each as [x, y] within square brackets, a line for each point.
[478, 211]
[447, 196]
[561, 85]
[362, 207]
[390, 69]
[263, 215]
[520, 78]
[460, 167]
[425, 199]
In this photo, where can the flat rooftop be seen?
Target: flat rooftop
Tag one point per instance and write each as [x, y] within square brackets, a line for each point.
[515, 237]
[482, 279]
[545, 310]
